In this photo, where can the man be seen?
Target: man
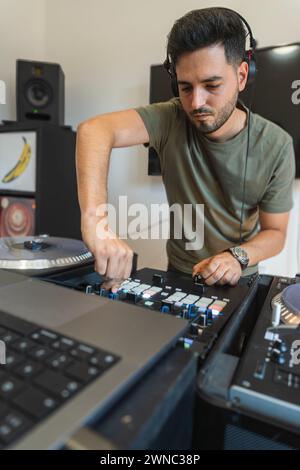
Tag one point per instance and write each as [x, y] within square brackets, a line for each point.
[201, 139]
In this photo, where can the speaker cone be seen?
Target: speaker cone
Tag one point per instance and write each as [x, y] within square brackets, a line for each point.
[38, 93]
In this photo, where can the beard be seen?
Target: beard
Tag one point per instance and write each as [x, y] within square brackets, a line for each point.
[212, 124]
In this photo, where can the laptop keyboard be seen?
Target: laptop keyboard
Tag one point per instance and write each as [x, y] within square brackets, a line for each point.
[43, 370]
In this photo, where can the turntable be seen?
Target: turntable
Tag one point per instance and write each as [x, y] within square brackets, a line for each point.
[42, 254]
[289, 301]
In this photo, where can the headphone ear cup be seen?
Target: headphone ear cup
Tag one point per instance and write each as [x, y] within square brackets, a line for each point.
[169, 68]
[174, 86]
[252, 71]
[252, 68]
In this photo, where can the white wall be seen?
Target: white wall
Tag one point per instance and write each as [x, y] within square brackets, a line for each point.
[105, 49]
[22, 35]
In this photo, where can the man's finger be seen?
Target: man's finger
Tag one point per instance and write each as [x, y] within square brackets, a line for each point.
[128, 264]
[100, 266]
[114, 268]
[215, 276]
[226, 278]
[209, 269]
[234, 280]
[112, 284]
[197, 268]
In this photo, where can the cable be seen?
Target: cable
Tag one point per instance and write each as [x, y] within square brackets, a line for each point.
[246, 163]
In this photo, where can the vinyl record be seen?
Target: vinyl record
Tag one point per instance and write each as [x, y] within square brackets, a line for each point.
[35, 255]
[17, 217]
[289, 301]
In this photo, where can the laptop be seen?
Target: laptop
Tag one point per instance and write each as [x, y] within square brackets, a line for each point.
[70, 356]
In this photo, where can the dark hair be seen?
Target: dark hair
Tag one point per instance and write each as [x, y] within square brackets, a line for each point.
[205, 27]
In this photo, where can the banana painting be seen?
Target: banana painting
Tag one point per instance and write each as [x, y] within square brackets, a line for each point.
[21, 164]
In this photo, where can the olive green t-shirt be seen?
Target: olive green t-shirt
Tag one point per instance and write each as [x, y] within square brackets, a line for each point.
[196, 170]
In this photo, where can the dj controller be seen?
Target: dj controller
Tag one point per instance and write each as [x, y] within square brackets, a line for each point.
[208, 309]
[258, 400]
[268, 378]
[246, 338]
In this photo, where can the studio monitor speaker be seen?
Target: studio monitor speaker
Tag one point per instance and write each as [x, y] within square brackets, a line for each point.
[40, 92]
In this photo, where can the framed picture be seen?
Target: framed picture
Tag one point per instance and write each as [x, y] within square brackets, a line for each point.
[18, 161]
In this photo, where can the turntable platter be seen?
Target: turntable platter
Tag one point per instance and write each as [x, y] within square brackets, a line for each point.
[289, 301]
[36, 255]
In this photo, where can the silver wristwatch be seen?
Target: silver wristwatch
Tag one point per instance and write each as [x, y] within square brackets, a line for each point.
[241, 255]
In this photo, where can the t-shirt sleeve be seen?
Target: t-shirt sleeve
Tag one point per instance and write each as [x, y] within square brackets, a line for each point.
[158, 119]
[278, 196]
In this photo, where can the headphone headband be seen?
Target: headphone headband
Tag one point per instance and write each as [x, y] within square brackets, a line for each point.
[249, 57]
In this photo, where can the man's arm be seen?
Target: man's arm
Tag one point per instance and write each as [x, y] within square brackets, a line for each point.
[96, 138]
[271, 238]
[225, 269]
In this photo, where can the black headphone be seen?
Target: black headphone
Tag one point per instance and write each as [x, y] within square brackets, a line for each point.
[249, 57]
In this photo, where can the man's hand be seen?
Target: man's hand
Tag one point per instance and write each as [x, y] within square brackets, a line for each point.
[219, 269]
[113, 257]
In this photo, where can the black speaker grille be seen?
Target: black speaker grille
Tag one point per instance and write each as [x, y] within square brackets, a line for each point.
[38, 93]
[237, 438]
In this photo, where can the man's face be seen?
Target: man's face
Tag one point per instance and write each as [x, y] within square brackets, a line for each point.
[209, 86]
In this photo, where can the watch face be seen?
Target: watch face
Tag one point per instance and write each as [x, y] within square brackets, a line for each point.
[240, 252]
[241, 255]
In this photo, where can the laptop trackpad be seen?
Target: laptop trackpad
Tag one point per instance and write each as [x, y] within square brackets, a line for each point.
[46, 304]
